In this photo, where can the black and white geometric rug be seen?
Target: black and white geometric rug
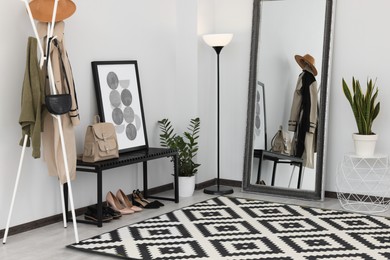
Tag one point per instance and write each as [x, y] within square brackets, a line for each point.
[235, 228]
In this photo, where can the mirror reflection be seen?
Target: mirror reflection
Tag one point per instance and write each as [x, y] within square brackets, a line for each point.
[287, 96]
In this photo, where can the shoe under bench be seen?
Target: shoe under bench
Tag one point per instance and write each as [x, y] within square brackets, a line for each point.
[125, 159]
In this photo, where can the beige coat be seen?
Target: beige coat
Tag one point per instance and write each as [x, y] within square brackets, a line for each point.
[296, 118]
[52, 149]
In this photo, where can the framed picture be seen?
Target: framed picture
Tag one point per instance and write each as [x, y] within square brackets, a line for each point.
[260, 124]
[119, 101]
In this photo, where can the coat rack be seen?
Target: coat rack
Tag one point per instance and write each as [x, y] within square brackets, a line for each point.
[58, 118]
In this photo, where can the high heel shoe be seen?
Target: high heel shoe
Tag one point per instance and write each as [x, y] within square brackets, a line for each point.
[126, 202]
[138, 201]
[139, 194]
[116, 205]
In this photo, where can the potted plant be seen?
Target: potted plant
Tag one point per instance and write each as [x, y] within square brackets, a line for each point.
[187, 147]
[365, 109]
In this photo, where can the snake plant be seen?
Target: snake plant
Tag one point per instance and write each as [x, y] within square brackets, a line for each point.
[187, 147]
[363, 105]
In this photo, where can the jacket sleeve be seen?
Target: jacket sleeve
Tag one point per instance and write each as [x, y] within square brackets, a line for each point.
[74, 110]
[31, 100]
[313, 107]
[295, 107]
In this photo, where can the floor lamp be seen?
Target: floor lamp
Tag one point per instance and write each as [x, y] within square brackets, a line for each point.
[218, 41]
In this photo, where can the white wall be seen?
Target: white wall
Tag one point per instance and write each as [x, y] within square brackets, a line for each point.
[149, 31]
[160, 35]
[361, 49]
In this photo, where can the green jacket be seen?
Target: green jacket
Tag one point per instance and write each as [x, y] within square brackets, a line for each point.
[32, 99]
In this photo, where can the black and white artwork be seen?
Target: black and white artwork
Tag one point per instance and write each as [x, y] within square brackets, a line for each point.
[259, 122]
[119, 101]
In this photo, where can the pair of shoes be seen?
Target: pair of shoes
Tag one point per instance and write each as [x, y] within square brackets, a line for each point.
[140, 201]
[262, 182]
[139, 194]
[122, 197]
[115, 214]
[91, 214]
[106, 211]
[114, 203]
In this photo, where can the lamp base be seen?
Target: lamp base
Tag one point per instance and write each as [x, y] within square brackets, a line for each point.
[218, 190]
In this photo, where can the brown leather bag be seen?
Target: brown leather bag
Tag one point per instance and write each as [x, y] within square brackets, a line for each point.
[100, 142]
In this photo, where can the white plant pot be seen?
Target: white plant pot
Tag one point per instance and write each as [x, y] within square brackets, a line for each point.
[365, 144]
[186, 186]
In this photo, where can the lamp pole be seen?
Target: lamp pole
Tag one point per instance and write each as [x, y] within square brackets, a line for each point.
[217, 46]
[218, 50]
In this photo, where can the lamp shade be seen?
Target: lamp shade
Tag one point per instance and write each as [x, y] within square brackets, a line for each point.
[221, 39]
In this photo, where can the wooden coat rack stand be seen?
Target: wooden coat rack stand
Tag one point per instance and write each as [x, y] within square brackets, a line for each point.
[58, 118]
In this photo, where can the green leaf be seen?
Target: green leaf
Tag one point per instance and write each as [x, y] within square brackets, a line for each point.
[187, 146]
[363, 105]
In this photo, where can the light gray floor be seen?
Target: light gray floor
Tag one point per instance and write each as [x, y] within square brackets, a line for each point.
[49, 242]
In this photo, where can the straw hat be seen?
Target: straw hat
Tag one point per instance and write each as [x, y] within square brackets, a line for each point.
[307, 59]
[42, 10]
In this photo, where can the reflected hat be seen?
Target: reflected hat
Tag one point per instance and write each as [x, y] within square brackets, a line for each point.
[42, 10]
[307, 59]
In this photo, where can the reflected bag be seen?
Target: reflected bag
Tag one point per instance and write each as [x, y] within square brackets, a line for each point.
[280, 143]
[100, 142]
[58, 104]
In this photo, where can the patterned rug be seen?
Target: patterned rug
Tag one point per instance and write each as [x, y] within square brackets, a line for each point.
[235, 228]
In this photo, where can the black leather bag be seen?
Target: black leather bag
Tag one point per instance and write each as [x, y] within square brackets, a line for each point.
[58, 104]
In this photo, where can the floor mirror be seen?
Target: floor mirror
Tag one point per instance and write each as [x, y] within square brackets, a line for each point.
[282, 32]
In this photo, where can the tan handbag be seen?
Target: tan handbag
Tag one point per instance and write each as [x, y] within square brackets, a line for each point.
[281, 142]
[100, 142]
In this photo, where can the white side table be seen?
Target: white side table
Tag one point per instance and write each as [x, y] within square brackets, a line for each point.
[363, 183]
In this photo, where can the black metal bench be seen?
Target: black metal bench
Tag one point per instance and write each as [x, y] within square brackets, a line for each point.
[125, 159]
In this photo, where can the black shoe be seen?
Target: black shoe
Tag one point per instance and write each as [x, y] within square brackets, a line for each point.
[143, 203]
[92, 215]
[115, 214]
[106, 210]
[159, 203]
[155, 202]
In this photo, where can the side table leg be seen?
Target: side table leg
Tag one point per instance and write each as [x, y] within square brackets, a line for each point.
[176, 177]
[99, 205]
[299, 176]
[273, 174]
[145, 174]
[259, 168]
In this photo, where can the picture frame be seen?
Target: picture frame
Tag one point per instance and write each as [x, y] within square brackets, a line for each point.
[260, 123]
[119, 101]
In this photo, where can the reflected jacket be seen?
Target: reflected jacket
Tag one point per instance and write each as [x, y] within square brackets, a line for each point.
[303, 117]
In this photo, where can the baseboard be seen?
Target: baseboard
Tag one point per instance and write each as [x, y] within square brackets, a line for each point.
[225, 182]
[331, 194]
[38, 223]
[58, 218]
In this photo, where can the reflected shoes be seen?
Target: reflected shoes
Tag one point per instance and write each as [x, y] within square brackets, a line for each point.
[140, 201]
[261, 182]
[125, 201]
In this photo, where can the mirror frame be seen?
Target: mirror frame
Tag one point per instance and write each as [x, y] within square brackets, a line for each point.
[318, 192]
